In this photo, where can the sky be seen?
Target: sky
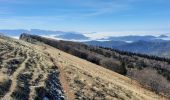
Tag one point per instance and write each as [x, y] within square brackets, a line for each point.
[109, 16]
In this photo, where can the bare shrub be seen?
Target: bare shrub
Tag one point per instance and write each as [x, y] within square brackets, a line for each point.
[150, 78]
[114, 65]
[94, 59]
[5, 83]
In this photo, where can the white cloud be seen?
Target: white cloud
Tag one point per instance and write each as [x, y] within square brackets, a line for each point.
[100, 35]
[15, 37]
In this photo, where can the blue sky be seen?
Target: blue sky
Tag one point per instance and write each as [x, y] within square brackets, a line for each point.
[86, 15]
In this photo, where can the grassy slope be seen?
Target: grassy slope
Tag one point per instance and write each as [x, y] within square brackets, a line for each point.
[79, 78]
[88, 80]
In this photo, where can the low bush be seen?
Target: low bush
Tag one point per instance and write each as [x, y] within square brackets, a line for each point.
[113, 65]
[5, 84]
[150, 78]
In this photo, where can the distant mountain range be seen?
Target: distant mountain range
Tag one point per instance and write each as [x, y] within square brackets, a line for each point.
[132, 38]
[71, 35]
[55, 34]
[156, 47]
[80, 36]
[148, 44]
[109, 44]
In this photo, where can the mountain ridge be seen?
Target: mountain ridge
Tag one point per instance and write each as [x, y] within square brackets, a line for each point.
[60, 63]
[156, 47]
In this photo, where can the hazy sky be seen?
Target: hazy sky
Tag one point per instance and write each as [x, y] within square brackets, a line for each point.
[86, 15]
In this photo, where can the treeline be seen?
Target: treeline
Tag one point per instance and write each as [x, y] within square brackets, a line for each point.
[148, 70]
[162, 65]
[152, 57]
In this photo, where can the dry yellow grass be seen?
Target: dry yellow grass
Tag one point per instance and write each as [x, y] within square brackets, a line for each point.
[3, 78]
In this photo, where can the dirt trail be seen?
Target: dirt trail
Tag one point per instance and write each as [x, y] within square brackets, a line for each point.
[14, 79]
[55, 59]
